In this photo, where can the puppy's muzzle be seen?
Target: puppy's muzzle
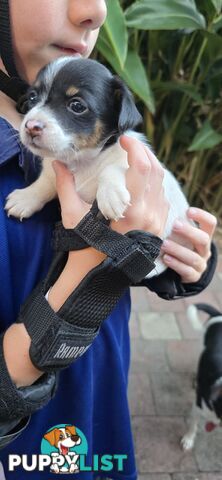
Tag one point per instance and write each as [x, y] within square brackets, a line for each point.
[34, 128]
[75, 438]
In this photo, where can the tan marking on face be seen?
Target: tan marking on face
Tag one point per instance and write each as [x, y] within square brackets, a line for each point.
[90, 141]
[72, 91]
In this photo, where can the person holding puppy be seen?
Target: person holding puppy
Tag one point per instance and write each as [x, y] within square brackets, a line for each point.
[36, 316]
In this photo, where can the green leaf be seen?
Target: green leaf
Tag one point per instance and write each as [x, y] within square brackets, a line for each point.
[116, 31]
[217, 5]
[213, 49]
[190, 90]
[135, 75]
[217, 24]
[164, 15]
[206, 138]
[133, 72]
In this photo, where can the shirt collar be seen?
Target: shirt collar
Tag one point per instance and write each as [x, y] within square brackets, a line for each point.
[10, 146]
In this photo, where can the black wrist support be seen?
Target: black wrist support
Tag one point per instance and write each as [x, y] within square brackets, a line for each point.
[60, 338]
[17, 403]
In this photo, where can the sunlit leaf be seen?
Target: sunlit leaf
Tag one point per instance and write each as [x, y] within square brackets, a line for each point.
[164, 15]
[133, 73]
[206, 138]
[217, 5]
[116, 30]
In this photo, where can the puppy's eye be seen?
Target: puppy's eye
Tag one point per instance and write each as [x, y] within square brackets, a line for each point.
[77, 106]
[33, 97]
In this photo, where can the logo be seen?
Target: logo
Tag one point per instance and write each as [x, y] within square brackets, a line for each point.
[64, 449]
[64, 443]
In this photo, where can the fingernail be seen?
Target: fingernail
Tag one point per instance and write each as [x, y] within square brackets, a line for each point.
[167, 258]
[165, 244]
[192, 210]
[177, 225]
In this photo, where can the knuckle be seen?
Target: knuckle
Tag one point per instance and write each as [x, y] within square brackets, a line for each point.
[192, 275]
[204, 240]
[213, 221]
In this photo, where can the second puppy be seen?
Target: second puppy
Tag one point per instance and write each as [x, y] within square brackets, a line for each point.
[77, 112]
[208, 402]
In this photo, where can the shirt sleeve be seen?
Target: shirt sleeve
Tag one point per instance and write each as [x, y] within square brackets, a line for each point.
[168, 284]
[11, 429]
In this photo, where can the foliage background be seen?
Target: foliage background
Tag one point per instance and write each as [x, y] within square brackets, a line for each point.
[169, 52]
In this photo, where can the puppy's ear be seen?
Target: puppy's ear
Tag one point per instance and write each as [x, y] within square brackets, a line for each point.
[71, 429]
[129, 116]
[51, 437]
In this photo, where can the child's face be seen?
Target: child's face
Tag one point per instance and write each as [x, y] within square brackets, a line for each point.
[44, 30]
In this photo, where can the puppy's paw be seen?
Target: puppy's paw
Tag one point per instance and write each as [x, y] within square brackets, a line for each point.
[22, 203]
[112, 201]
[73, 468]
[54, 468]
[187, 442]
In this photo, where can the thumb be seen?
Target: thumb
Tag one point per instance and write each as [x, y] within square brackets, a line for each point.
[137, 176]
[65, 183]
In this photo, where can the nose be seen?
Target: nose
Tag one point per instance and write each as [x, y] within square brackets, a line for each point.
[87, 14]
[34, 127]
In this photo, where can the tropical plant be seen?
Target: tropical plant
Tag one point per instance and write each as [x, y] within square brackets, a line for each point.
[169, 52]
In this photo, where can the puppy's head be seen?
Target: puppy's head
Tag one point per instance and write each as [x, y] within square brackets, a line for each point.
[63, 438]
[74, 105]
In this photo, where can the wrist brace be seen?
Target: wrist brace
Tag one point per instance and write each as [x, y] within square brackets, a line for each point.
[57, 339]
[17, 403]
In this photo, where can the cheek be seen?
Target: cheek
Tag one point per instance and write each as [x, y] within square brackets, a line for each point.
[32, 27]
[92, 41]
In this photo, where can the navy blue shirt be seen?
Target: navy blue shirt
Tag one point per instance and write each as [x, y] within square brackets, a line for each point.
[92, 393]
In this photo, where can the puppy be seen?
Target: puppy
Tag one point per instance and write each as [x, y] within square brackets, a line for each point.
[77, 112]
[63, 439]
[209, 376]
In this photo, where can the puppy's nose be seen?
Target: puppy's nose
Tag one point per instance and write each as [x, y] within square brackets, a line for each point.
[34, 127]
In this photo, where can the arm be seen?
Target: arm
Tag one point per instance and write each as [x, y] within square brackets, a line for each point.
[79, 263]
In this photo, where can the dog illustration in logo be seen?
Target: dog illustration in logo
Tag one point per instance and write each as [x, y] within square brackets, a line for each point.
[63, 439]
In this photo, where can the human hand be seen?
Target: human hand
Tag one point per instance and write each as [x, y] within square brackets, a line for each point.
[144, 180]
[149, 208]
[73, 208]
[191, 264]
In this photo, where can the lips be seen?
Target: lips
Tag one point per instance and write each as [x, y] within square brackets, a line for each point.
[79, 49]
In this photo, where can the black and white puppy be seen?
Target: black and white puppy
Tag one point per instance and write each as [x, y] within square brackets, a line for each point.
[77, 112]
[209, 376]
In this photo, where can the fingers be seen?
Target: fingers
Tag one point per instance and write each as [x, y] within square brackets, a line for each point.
[197, 237]
[187, 273]
[137, 175]
[65, 184]
[206, 220]
[184, 255]
[72, 207]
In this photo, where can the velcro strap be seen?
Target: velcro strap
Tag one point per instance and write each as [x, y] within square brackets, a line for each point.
[134, 253]
[55, 342]
[16, 403]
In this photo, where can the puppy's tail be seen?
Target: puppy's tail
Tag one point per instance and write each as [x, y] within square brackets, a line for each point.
[192, 313]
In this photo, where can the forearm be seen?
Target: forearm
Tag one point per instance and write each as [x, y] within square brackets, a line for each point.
[17, 341]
